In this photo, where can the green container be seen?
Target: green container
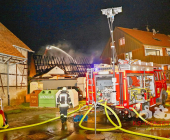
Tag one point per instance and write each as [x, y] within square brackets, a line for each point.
[47, 98]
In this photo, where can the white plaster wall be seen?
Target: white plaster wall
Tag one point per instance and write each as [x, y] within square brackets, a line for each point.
[12, 78]
[16, 95]
[54, 84]
[23, 52]
[36, 86]
[56, 70]
[81, 83]
[3, 68]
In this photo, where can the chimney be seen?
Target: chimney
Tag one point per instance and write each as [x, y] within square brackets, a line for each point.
[154, 31]
[147, 28]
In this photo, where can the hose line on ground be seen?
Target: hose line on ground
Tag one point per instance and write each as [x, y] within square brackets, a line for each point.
[16, 128]
[109, 129]
[116, 127]
[153, 124]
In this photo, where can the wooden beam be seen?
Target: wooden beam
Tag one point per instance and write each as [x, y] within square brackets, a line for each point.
[2, 86]
[16, 76]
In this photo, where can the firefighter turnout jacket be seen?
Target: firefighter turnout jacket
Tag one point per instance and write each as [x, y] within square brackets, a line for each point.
[64, 99]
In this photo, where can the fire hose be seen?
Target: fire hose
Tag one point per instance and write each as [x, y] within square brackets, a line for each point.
[120, 125]
[109, 129]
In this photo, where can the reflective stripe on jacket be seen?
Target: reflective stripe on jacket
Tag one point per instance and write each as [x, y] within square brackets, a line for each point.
[63, 99]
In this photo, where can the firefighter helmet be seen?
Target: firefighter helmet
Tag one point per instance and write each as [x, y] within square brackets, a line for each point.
[64, 89]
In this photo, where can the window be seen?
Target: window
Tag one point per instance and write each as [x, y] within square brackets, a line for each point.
[168, 53]
[156, 75]
[162, 74]
[160, 78]
[121, 41]
[128, 55]
[152, 52]
[167, 76]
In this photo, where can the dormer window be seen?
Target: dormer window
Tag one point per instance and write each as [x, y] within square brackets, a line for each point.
[168, 52]
[121, 41]
[152, 52]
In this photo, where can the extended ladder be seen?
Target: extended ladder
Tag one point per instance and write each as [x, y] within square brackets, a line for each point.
[90, 86]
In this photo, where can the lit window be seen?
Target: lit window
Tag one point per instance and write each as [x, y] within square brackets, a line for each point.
[152, 52]
[168, 53]
[122, 41]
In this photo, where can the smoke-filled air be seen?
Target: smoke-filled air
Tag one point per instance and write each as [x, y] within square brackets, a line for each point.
[65, 50]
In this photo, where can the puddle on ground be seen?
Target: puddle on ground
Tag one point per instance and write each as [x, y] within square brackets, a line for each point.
[71, 131]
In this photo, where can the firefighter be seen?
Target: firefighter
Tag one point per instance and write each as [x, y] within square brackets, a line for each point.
[64, 102]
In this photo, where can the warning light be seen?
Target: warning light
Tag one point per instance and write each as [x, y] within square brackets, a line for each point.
[126, 112]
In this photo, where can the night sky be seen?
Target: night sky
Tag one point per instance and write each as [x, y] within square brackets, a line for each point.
[79, 25]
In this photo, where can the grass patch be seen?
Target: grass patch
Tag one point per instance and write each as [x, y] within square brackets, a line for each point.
[13, 111]
[25, 105]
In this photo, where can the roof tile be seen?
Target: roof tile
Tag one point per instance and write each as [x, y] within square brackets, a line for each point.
[147, 38]
[7, 40]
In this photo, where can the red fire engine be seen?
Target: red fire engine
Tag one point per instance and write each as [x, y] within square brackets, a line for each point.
[137, 84]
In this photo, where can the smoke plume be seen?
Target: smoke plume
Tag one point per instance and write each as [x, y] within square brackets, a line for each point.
[91, 55]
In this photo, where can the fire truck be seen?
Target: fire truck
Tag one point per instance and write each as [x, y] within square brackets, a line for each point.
[137, 84]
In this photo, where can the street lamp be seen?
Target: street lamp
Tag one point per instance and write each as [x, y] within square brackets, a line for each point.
[110, 13]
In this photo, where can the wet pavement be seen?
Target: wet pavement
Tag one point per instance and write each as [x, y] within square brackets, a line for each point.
[71, 131]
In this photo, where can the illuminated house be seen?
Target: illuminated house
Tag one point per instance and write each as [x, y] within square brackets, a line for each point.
[13, 67]
[142, 45]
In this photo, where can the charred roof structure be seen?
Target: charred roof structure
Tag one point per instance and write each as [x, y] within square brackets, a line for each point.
[43, 64]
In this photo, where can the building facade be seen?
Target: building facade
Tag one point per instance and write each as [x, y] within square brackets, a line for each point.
[13, 67]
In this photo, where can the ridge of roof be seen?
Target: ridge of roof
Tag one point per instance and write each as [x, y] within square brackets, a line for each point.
[148, 38]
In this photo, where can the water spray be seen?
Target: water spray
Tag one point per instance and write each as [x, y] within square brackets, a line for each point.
[49, 47]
